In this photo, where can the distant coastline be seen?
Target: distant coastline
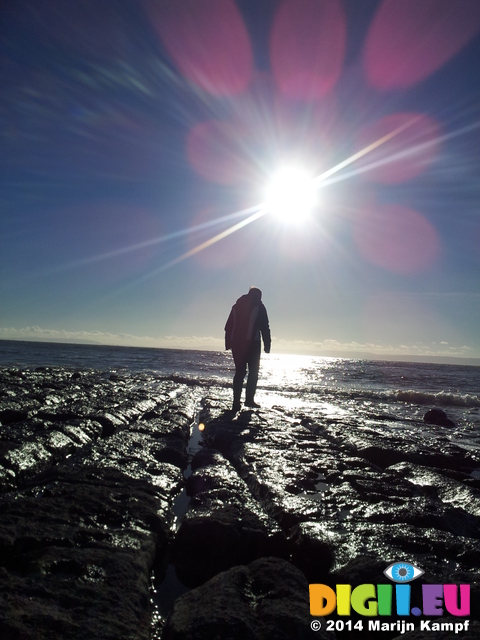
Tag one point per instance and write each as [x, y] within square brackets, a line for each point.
[54, 341]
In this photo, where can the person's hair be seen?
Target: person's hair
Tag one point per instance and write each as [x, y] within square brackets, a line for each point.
[255, 293]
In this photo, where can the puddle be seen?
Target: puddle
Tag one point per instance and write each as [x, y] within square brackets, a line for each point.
[344, 514]
[180, 506]
[320, 485]
[165, 593]
[167, 589]
[181, 502]
[320, 489]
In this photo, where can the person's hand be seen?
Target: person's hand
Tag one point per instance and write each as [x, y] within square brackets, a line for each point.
[267, 350]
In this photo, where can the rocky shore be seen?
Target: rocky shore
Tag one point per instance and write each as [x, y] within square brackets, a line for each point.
[93, 467]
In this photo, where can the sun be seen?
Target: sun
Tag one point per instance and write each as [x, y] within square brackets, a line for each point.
[291, 194]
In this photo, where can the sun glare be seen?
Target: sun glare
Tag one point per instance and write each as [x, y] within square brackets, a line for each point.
[291, 195]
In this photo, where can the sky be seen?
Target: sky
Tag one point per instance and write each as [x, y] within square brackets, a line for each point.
[138, 140]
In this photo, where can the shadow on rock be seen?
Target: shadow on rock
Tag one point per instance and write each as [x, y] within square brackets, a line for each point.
[224, 526]
[266, 600]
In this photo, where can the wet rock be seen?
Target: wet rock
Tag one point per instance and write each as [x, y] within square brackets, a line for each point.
[82, 432]
[312, 551]
[36, 445]
[206, 457]
[77, 554]
[438, 417]
[425, 513]
[265, 600]
[108, 421]
[405, 493]
[74, 505]
[384, 447]
[76, 594]
[172, 450]
[404, 512]
[433, 550]
[361, 569]
[445, 489]
[84, 519]
[278, 461]
[137, 453]
[223, 526]
[387, 453]
[30, 459]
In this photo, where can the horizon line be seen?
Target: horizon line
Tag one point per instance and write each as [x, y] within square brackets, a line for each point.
[327, 353]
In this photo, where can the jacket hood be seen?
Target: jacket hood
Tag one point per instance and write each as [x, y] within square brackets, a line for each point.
[248, 302]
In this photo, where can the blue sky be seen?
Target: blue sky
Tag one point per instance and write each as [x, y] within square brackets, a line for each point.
[133, 133]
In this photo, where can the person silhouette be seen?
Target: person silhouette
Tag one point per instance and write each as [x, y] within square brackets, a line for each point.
[246, 325]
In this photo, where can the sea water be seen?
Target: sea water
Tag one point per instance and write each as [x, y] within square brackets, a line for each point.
[367, 390]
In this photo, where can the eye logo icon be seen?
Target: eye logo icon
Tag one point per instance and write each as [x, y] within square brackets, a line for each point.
[403, 572]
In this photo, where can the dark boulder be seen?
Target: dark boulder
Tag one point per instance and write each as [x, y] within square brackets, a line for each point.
[206, 457]
[266, 600]
[438, 417]
[224, 526]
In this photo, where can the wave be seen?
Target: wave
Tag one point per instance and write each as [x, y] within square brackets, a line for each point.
[411, 396]
[443, 398]
[194, 381]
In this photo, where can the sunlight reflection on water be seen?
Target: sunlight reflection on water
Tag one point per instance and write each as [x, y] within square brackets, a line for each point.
[289, 400]
[283, 370]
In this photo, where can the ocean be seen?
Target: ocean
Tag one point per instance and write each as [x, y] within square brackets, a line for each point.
[397, 393]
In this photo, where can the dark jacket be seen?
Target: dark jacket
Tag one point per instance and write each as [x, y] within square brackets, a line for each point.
[247, 321]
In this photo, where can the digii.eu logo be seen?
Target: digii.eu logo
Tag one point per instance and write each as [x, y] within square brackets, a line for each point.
[373, 600]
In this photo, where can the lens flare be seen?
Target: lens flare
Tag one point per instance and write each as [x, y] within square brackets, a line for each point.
[396, 238]
[409, 40]
[307, 47]
[208, 41]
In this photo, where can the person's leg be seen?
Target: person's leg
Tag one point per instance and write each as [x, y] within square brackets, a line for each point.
[253, 362]
[240, 371]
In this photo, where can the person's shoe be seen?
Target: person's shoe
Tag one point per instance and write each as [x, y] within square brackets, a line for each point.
[236, 406]
[252, 404]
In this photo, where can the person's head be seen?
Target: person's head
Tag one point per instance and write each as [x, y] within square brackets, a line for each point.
[255, 294]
